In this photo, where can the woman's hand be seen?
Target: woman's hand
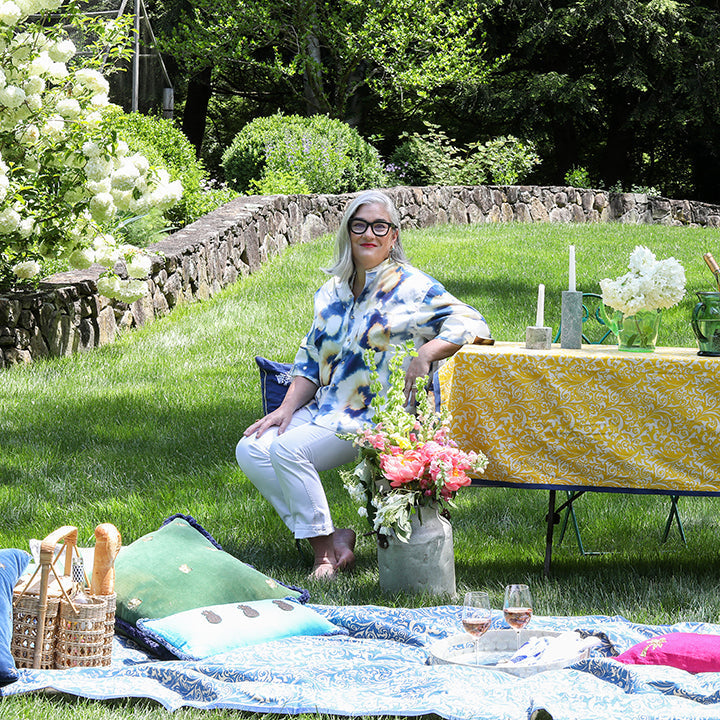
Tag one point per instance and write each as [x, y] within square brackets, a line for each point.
[300, 392]
[280, 417]
[428, 353]
[418, 367]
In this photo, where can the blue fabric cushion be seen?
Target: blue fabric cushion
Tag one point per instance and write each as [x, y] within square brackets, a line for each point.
[435, 387]
[12, 566]
[202, 632]
[275, 379]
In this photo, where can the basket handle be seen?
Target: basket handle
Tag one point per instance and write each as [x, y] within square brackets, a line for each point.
[69, 534]
[47, 559]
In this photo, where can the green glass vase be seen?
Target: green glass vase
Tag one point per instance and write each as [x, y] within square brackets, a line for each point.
[706, 323]
[637, 332]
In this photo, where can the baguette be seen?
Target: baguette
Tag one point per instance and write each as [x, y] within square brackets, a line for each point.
[107, 546]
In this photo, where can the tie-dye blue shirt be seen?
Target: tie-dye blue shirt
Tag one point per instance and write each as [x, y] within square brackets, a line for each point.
[398, 303]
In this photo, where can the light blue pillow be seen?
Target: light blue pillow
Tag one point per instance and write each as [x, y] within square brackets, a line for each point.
[12, 566]
[200, 633]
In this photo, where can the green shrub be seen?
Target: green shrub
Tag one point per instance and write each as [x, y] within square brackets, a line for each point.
[503, 160]
[651, 190]
[578, 177]
[279, 182]
[431, 158]
[166, 146]
[325, 154]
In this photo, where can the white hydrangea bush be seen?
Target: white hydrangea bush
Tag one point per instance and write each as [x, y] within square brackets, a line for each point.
[650, 284]
[65, 178]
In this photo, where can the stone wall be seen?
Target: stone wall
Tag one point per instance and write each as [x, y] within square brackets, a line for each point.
[66, 315]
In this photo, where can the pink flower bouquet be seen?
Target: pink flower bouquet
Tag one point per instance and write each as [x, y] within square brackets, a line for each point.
[406, 461]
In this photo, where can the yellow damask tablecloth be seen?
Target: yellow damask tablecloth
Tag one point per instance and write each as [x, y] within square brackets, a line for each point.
[593, 417]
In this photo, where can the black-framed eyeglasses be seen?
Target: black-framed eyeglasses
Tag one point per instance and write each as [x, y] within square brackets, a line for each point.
[380, 228]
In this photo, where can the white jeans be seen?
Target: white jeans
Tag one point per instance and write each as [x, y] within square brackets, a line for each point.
[284, 468]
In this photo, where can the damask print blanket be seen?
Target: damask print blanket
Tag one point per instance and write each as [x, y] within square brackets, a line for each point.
[382, 668]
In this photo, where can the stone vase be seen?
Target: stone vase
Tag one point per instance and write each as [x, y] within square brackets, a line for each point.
[424, 564]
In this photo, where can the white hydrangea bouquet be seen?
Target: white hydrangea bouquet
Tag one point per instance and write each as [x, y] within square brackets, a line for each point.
[406, 461]
[637, 297]
[651, 284]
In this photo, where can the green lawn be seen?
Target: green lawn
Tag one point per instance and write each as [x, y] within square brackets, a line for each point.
[136, 431]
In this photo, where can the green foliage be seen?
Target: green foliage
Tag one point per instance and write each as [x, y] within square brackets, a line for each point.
[624, 88]
[618, 187]
[429, 158]
[165, 146]
[324, 154]
[279, 182]
[143, 230]
[432, 158]
[501, 161]
[578, 177]
[325, 56]
[104, 45]
[64, 177]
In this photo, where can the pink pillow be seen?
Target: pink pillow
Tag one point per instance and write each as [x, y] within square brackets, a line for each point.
[688, 651]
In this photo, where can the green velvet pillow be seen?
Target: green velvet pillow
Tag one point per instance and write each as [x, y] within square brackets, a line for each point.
[179, 567]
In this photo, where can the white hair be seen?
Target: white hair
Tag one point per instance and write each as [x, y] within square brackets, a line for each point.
[343, 266]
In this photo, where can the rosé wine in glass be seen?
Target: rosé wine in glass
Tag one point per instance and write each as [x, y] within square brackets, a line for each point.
[517, 618]
[517, 608]
[476, 616]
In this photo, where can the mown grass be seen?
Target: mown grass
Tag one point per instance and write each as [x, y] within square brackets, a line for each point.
[134, 432]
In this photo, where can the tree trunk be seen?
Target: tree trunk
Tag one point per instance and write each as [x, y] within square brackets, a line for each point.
[196, 106]
[312, 79]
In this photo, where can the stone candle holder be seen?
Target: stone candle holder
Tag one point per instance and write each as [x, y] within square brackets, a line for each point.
[571, 319]
[538, 338]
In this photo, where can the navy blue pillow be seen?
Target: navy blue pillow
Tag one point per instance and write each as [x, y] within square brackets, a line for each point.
[436, 391]
[12, 566]
[275, 379]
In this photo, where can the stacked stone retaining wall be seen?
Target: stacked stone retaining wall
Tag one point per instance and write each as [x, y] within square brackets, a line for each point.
[67, 315]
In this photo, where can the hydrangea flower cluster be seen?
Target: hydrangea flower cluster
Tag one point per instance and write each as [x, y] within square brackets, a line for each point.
[651, 284]
[406, 461]
[64, 176]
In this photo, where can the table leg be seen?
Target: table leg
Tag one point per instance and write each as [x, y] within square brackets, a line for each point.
[551, 520]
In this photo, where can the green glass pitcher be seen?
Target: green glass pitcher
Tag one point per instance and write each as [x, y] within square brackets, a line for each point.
[706, 323]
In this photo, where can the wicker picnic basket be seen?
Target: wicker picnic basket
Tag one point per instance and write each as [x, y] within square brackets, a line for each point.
[54, 625]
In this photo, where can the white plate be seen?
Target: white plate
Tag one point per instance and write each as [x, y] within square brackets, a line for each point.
[493, 646]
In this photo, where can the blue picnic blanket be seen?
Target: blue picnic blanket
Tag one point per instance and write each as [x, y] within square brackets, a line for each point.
[382, 667]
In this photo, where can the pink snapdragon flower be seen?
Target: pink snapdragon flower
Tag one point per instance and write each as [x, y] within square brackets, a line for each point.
[371, 439]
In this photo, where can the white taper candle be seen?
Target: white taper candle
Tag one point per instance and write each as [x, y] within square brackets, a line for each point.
[540, 317]
[571, 273]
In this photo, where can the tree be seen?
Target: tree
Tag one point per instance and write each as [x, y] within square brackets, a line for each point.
[626, 88]
[333, 57]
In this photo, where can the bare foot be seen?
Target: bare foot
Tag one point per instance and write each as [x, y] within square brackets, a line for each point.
[344, 542]
[323, 571]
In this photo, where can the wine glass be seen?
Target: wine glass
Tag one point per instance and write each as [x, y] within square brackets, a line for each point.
[476, 616]
[517, 608]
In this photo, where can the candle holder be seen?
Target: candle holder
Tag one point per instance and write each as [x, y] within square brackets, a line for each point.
[538, 338]
[571, 315]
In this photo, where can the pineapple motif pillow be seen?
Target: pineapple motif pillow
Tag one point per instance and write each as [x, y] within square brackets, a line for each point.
[202, 632]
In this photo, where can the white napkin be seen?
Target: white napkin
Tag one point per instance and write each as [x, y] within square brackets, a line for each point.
[546, 650]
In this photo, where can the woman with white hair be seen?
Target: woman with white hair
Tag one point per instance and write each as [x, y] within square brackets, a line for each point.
[373, 300]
